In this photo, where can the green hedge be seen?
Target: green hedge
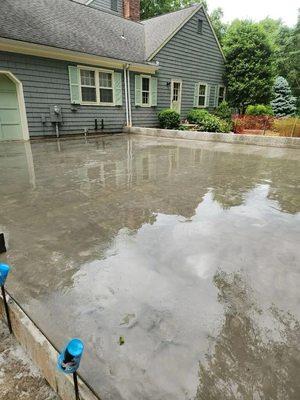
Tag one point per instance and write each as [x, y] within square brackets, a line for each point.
[223, 111]
[207, 122]
[169, 119]
[259, 109]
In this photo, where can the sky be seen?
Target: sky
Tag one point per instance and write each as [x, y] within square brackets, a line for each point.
[257, 9]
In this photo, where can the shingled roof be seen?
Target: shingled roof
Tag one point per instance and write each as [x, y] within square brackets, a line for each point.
[69, 25]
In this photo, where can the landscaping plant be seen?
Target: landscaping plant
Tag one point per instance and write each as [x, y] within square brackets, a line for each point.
[284, 103]
[224, 111]
[169, 119]
[196, 116]
[207, 122]
[259, 109]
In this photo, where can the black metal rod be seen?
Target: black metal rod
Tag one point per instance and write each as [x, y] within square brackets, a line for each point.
[76, 386]
[6, 309]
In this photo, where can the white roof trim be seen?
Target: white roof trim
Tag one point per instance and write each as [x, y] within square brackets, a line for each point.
[20, 47]
[213, 31]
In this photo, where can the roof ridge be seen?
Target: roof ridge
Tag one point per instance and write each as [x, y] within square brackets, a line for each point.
[172, 12]
[105, 12]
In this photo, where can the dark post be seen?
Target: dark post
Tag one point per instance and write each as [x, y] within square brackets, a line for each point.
[76, 386]
[6, 309]
[2, 243]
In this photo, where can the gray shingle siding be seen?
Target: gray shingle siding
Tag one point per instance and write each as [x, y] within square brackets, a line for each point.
[187, 56]
[193, 58]
[46, 83]
[105, 5]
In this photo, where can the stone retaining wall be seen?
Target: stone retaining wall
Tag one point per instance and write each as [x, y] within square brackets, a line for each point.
[271, 141]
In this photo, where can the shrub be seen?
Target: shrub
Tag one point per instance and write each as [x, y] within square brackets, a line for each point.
[210, 123]
[195, 116]
[259, 109]
[169, 119]
[223, 111]
[225, 126]
[252, 122]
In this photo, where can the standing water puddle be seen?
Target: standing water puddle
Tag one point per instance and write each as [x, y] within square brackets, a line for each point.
[188, 252]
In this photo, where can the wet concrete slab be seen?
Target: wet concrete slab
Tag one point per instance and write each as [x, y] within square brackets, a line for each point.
[187, 251]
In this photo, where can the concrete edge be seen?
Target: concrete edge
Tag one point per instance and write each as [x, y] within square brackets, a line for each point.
[42, 353]
[269, 141]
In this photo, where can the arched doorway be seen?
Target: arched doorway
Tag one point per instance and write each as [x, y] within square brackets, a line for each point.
[13, 121]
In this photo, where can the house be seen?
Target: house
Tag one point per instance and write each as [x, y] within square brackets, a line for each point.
[68, 66]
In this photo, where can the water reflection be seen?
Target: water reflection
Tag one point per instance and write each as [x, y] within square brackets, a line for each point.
[127, 235]
[256, 354]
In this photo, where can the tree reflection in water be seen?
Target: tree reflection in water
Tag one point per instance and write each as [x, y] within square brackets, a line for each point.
[250, 361]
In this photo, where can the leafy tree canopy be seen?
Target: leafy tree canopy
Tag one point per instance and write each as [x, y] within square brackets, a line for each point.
[249, 68]
[152, 8]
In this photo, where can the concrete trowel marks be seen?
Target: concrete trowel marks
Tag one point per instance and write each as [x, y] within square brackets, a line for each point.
[177, 262]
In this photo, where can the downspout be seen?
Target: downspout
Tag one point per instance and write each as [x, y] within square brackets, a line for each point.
[126, 95]
[129, 96]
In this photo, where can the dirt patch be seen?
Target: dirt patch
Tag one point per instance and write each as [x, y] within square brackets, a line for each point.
[19, 378]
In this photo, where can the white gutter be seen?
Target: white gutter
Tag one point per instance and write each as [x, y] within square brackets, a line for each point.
[129, 96]
[17, 46]
[126, 95]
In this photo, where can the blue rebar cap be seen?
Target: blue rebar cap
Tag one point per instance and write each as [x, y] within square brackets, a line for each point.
[75, 347]
[4, 270]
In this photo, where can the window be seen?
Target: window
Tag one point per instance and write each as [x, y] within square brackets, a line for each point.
[88, 86]
[96, 86]
[106, 88]
[202, 95]
[145, 91]
[114, 5]
[200, 26]
[221, 94]
[176, 89]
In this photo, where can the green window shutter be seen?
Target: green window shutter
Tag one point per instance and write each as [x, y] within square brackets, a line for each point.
[74, 85]
[153, 92]
[208, 95]
[138, 90]
[216, 96]
[196, 95]
[118, 88]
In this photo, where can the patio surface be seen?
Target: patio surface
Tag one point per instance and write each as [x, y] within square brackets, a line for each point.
[188, 251]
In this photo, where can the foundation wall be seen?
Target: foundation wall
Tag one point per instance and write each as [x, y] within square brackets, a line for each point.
[270, 141]
[43, 354]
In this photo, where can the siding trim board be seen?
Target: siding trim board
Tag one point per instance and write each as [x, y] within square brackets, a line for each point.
[16, 46]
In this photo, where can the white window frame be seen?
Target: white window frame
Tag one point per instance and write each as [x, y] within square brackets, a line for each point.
[224, 97]
[149, 103]
[97, 85]
[206, 95]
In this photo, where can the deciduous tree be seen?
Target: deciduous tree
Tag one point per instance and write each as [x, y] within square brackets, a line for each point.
[249, 69]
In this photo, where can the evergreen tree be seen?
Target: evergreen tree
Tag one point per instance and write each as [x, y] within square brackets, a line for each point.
[284, 103]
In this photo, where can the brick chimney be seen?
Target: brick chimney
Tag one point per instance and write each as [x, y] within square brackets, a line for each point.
[132, 9]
